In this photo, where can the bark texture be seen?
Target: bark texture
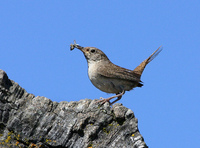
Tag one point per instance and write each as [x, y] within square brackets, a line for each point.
[33, 121]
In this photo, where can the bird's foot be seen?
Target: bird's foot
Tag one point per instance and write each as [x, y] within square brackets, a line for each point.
[103, 100]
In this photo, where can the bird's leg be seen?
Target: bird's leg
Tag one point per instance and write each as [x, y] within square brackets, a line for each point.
[116, 100]
[108, 99]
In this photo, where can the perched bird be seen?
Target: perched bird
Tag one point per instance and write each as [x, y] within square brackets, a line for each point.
[109, 77]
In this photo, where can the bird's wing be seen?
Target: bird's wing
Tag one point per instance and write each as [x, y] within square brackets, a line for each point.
[114, 71]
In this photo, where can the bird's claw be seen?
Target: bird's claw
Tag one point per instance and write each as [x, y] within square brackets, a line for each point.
[103, 100]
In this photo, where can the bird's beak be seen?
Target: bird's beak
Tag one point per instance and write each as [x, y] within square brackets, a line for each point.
[83, 49]
[72, 46]
[80, 48]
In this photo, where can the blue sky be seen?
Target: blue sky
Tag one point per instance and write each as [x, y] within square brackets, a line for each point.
[34, 46]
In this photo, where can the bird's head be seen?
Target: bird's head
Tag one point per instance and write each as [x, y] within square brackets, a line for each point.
[93, 54]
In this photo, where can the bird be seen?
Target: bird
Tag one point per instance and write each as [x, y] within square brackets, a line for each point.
[111, 78]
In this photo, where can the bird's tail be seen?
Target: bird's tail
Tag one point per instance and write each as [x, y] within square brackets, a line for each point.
[139, 69]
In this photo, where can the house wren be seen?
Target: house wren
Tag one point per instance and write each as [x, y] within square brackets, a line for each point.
[109, 77]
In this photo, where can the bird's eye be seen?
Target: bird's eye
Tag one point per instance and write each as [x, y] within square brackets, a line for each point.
[93, 51]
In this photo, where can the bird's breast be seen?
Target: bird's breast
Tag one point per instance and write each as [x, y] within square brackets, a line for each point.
[106, 84]
[97, 80]
[92, 71]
